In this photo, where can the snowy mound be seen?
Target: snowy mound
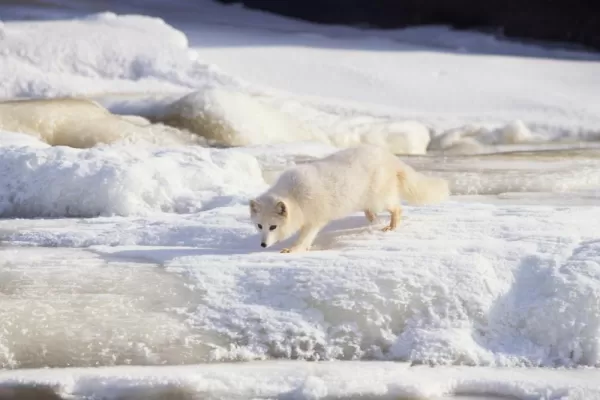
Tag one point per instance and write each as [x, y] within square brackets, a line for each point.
[475, 139]
[228, 116]
[119, 53]
[66, 182]
[82, 124]
[233, 118]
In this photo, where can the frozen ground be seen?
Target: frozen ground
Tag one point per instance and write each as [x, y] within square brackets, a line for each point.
[126, 240]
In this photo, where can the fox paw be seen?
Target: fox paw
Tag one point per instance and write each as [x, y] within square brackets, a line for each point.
[387, 229]
[294, 250]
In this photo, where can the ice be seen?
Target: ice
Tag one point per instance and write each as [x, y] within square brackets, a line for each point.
[109, 321]
[82, 124]
[560, 172]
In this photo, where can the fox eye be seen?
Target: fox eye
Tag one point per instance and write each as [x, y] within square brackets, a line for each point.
[272, 227]
[259, 226]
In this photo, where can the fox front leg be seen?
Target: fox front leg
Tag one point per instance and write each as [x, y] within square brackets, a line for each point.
[305, 239]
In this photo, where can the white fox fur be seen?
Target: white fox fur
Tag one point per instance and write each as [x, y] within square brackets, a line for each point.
[365, 178]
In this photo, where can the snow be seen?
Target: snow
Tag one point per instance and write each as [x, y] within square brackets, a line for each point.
[435, 75]
[122, 181]
[229, 117]
[48, 58]
[313, 381]
[126, 239]
[395, 89]
[519, 292]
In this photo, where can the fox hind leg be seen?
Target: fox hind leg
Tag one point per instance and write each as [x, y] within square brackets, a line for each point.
[370, 215]
[395, 215]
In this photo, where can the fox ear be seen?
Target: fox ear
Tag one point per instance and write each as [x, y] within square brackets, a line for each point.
[281, 208]
[253, 206]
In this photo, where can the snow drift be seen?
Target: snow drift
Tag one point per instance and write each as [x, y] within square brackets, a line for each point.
[66, 182]
[120, 53]
[231, 117]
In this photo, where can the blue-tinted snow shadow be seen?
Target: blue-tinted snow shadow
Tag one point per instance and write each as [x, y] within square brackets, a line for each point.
[242, 246]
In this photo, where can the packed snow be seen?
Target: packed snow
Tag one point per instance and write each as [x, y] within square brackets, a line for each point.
[130, 146]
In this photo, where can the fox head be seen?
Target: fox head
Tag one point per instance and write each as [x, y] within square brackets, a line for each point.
[271, 218]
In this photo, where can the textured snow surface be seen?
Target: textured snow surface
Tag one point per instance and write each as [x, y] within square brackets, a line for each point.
[125, 237]
[302, 380]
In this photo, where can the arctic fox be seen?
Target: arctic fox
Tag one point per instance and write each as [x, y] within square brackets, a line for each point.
[365, 178]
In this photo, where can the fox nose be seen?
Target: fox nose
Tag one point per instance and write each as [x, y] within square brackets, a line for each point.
[263, 244]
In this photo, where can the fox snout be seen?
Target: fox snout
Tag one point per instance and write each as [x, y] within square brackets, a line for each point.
[267, 239]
